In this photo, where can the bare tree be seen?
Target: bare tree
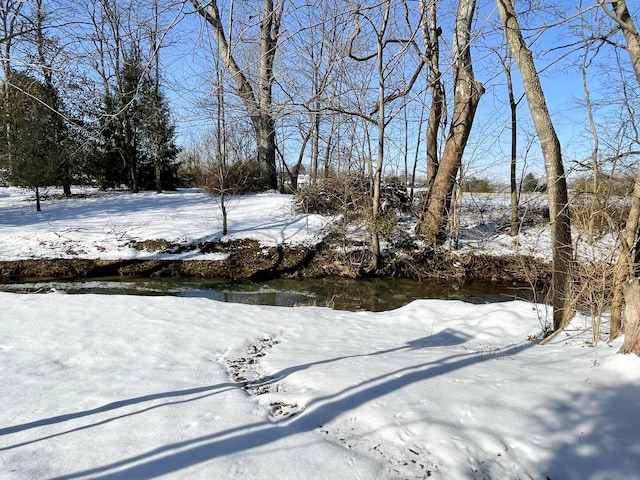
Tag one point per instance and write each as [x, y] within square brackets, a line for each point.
[385, 58]
[431, 37]
[506, 61]
[12, 25]
[311, 64]
[381, 42]
[467, 93]
[627, 267]
[557, 184]
[257, 99]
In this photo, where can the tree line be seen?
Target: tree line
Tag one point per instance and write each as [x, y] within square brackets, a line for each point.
[333, 88]
[63, 123]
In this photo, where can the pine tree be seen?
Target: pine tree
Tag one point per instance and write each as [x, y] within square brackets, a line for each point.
[138, 139]
[160, 166]
[31, 151]
[530, 183]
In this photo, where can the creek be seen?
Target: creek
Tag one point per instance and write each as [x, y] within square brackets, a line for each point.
[377, 294]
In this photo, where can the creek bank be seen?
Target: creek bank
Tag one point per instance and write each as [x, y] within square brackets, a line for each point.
[248, 260]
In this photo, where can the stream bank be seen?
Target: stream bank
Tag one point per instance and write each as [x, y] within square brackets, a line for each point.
[248, 260]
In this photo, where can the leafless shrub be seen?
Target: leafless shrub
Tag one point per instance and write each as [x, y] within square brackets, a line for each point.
[236, 178]
[597, 215]
[592, 292]
[345, 194]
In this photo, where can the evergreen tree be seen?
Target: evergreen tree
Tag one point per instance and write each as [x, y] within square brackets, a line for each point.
[160, 166]
[532, 184]
[138, 139]
[119, 162]
[31, 150]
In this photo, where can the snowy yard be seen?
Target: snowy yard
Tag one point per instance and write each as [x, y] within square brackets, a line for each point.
[137, 387]
[128, 387]
[105, 224]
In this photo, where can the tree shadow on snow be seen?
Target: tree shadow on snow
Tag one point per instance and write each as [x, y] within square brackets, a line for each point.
[603, 431]
[177, 456]
[445, 338]
[117, 205]
[205, 391]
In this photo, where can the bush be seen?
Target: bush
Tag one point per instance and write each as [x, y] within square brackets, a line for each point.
[618, 186]
[237, 178]
[605, 209]
[347, 193]
[340, 194]
[191, 176]
[587, 212]
[478, 185]
[394, 195]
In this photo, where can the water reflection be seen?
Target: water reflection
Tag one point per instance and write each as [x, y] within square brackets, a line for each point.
[344, 294]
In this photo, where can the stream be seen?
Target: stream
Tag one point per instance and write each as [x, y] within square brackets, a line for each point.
[377, 294]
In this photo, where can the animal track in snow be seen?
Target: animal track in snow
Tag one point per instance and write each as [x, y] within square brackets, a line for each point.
[245, 371]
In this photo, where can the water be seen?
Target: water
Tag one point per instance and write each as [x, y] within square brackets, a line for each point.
[376, 295]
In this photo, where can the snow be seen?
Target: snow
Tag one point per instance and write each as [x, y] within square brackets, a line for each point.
[100, 386]
[132, 387]
[105, 224]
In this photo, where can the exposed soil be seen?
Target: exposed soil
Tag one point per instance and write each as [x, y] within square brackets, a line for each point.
[247, 259]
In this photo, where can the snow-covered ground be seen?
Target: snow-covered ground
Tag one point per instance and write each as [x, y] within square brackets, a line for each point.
[105, 224]
[145, 387]
[129, 387]
[484, 228]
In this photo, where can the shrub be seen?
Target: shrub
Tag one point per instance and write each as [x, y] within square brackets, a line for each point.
[587, 212]
[478, 185]
[344, 194]
[236, 178]
[191, 175]
[618, 186]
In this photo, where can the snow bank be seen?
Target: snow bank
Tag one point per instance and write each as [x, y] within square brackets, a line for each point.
[144, 387]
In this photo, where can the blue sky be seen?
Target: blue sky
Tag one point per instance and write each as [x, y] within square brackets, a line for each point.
[188, 62]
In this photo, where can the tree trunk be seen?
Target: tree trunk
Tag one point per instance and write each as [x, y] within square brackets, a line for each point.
[625, 266]
[66, 180]
[38, 209]
[627, 262]
[556, 181]
[431, 34]
[257, 101]
[157, 173]
[269, 28]
[632, 318]
[223, 209]
[130, 153]
[315, 146]
[416, 155]
[467, 93]
[266, 135]
[295, 172]
[513, 108]
[433, 127]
